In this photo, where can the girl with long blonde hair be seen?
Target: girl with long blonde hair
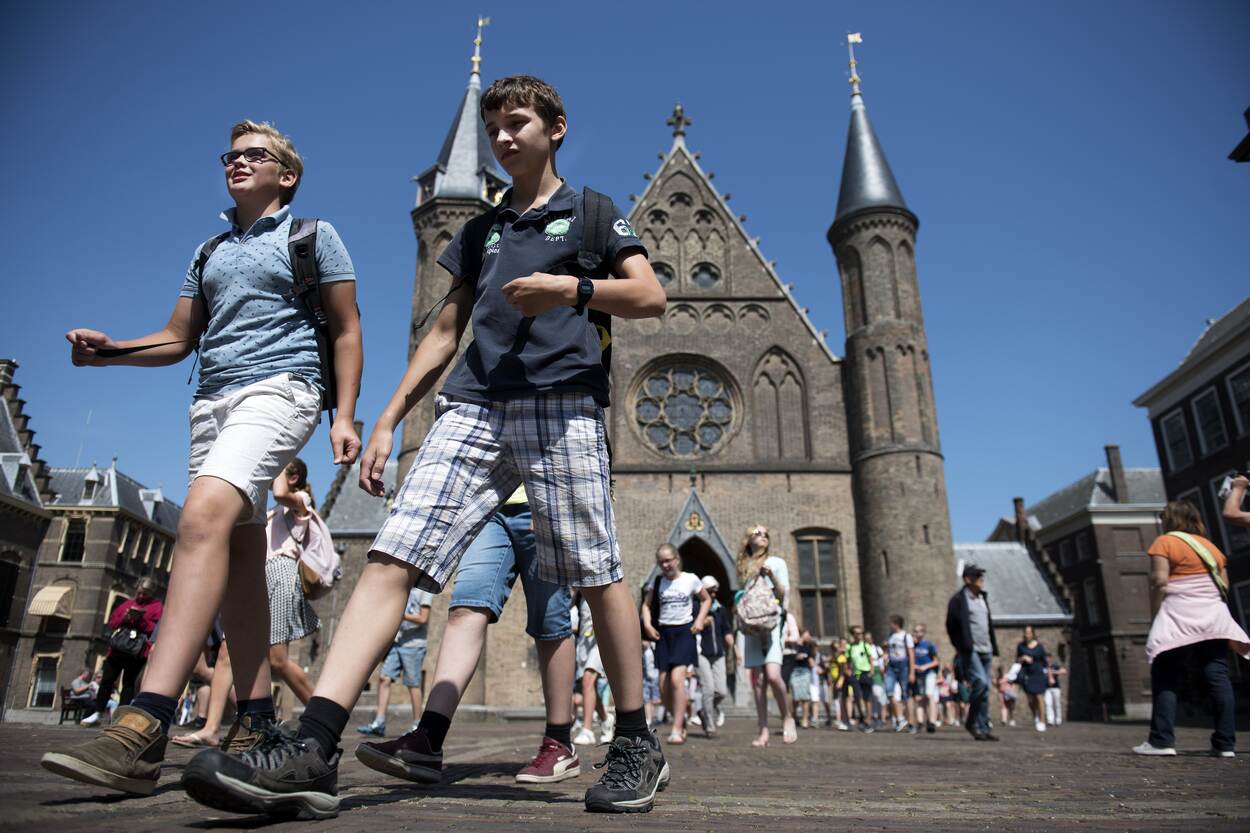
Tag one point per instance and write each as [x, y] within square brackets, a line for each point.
[761, 653]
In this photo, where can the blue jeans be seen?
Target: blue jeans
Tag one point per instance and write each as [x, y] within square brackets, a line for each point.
[976, 668]
[1167, 674]
[503, 550]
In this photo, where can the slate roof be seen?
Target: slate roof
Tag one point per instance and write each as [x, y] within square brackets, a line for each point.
[1218, 330]
[465, 160]
[1216, 334]
[113, 489]
[23, 475]
[1093, 491]
[867, 181]
[1018, 590]
[354, 512]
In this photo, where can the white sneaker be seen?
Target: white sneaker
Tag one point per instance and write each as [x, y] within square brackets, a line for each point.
[720, 718]
[92, 719]
[1147, 749]
[1039, 725]
[584, 738]
[694, 720]
[608, 734]
[1223, 753]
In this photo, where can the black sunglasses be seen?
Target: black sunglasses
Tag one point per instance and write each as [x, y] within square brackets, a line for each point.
[250, 154]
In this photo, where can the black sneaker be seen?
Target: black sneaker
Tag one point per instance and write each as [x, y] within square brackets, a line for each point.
[409, 757]
[930, 728]
[282, 776]
[634, 771]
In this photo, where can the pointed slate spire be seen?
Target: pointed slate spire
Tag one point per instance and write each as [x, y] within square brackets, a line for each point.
[867, 182]
[465, 168]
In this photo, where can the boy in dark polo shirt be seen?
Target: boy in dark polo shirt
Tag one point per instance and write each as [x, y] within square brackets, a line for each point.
[524, 405]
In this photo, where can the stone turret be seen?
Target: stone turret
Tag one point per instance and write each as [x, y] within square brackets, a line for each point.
[903, 523]
[462, 183]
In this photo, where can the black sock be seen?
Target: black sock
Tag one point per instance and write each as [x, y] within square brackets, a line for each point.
[435, 727]
[157, 705]
[324, 720]
[259, 706]
[560, 732]
[632, 724]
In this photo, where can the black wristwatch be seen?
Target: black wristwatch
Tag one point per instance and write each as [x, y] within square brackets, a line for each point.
[585, 290]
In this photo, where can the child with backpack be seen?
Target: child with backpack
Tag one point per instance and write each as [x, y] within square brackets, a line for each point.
[274, 316]
[523, 405]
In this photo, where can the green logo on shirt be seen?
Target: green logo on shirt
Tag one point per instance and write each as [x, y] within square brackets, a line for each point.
[623, 228]
[557, 228]
[493, 236]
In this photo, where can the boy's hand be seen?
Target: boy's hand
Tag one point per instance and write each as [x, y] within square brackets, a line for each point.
[373, 463]
[85, 343]
[344, 444]
[541, 292]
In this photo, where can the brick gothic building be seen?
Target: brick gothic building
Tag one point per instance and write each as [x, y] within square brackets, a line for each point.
[731, 410]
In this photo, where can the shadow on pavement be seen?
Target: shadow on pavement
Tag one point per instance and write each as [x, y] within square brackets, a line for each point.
[110, 797]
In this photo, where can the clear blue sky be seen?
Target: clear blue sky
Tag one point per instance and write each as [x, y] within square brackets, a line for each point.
[1079, 217]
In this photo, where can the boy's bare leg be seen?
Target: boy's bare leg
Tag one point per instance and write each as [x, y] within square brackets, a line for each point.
[367, 628]
[415, 695]
[245, 612]
[384, 699]
[557, 663]
[620, 641]
[458, 656]
[197, 584]
[590, 699]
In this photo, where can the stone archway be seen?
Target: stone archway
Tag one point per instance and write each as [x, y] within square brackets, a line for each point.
[699, 558]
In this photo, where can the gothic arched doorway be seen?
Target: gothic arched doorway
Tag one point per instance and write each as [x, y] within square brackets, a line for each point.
[699, 558]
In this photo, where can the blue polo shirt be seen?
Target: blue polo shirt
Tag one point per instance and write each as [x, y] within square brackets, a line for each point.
[514, 356]
[254, 333]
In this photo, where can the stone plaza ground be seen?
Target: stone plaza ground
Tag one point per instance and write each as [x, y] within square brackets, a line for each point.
[1078, 777]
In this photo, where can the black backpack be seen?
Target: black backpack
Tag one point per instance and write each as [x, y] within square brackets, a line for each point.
[305, 290]
[591, 259]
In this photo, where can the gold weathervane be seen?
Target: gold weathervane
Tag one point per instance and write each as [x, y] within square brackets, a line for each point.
[678, 120]
[853, 38]
[482, 22]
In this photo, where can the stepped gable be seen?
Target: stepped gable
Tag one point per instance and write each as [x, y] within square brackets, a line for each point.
[24, 476]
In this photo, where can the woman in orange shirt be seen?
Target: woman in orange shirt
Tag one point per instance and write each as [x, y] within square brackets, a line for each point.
[1188, 588]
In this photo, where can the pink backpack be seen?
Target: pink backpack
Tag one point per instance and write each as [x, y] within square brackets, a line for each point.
[319, 564]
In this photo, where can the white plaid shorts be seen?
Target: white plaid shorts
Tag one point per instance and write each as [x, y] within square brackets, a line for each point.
[476, 455]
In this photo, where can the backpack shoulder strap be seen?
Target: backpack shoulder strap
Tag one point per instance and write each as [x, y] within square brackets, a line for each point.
[475, 233]
[206, 251]
[597, 210]
[301, 245]
[1207, 559]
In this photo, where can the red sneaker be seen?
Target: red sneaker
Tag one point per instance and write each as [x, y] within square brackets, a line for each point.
[554, 762]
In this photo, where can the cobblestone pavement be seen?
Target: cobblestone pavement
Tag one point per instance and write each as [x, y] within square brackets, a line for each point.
[1078, 777]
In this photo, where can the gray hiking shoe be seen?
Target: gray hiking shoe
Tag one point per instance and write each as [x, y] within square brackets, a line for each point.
[634, 771]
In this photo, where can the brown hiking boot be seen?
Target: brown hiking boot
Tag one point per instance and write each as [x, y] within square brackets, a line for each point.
[245, 735]
[126, 756]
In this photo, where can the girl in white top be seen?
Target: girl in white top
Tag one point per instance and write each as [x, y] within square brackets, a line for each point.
[762, 653]
[673, 631]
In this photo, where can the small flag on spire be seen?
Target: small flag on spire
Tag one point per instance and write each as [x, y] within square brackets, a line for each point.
[854, 37]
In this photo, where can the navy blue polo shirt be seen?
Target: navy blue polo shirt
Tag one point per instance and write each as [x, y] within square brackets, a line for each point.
[514, 356]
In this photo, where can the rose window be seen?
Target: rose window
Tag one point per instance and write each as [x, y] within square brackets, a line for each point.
[684, 410]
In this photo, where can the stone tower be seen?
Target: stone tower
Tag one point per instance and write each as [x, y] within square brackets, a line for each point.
[461, 184]
[902, 519]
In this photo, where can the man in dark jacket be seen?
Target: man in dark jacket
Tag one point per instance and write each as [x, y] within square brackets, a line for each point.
[971, 631]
